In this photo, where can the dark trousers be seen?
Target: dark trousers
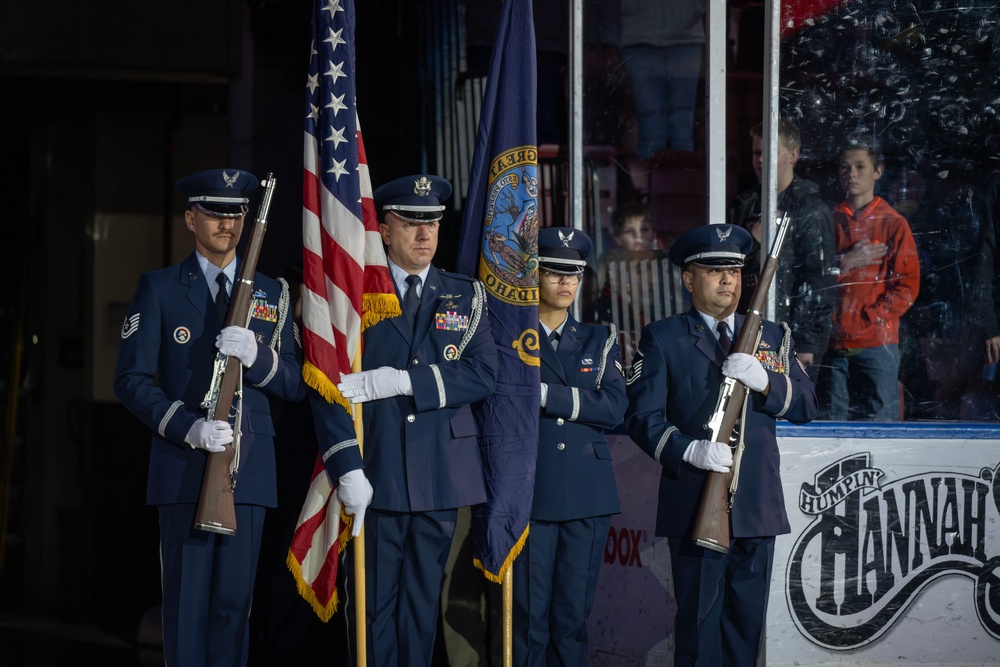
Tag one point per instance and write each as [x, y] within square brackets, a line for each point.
[207, 584]
[555, 582]
[721, 601]
[405, 556]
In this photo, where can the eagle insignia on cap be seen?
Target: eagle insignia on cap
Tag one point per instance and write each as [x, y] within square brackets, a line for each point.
[566, 238]
[230, 180]
[723, 235]
[422, 186]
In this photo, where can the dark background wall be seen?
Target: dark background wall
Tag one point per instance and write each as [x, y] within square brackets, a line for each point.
[106, 105]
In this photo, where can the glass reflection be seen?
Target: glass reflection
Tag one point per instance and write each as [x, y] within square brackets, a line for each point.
[920, 77]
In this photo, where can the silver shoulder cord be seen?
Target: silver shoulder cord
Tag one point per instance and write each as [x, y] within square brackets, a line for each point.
[478, 302]
[275, 344]
[608, 344]
[283, 302]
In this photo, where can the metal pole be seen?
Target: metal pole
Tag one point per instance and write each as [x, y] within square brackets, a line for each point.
[576, 113]
[715, 109]
[769, 140]
[576, 125]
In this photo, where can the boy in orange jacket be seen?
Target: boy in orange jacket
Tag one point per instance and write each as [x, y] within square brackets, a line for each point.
[879, 280]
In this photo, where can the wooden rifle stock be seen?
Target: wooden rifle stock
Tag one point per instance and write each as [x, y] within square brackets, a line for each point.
[216, 511]
[711, 524]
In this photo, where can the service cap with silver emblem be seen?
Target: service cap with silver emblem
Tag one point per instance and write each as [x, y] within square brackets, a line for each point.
[417, 198]
[222, 193]
[563, 250]
[712, 245]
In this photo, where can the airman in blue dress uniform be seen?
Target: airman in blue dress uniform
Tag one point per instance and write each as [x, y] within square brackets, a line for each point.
[672, 388]
[583, 394]
[421, 371]
[169, 341]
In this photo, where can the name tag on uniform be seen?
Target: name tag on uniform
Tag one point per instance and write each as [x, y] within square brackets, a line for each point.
[451, 321]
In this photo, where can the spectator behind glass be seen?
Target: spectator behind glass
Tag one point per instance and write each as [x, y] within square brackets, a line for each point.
[661, 43]
[632, 227]
[878, 282]
[805, 282]
[635, 239]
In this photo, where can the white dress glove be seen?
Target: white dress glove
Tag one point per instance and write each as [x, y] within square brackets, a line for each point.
[545, 394]
[709, 455]
[212, 436]
[355, 492]
[747, 369]
[238, 342]
[372, 385]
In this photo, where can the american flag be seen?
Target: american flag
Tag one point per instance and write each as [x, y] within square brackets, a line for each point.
[345, 275]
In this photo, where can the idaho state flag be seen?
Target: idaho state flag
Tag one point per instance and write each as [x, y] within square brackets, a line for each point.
[499, 245]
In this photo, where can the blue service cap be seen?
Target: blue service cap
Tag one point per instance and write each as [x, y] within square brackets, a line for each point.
[563, 249]
[712, 245]
[417, 198]
[223, 193]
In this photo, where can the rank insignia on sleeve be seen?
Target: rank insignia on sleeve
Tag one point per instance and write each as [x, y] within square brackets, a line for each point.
[264, 311]
[618, 365]
[635, 372]
[130, 325]
[770, 360]
[451, 321]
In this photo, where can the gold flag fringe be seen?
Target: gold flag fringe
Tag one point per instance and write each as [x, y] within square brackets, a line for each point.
[318, 380]
[376, 307]
[508, 562]
[324, 611]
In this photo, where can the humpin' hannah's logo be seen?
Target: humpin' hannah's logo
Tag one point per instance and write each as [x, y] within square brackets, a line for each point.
[873, 547]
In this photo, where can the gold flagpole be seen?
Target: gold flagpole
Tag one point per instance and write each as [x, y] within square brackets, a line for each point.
[508, 617]
[360, 611]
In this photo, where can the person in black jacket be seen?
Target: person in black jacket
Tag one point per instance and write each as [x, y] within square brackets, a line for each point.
[583, 393]
[805, 281]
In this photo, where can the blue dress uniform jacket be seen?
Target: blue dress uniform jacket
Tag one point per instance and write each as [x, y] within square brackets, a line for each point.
[164, 369]
[421, 455]
[672, 390]
[422, 452]
[574, 475]
[555, 577]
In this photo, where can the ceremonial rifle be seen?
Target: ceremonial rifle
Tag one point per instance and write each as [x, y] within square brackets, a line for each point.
[216, 507]
[711, 525]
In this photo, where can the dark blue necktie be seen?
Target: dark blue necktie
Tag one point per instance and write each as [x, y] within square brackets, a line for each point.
[221, 297]
[411, 300]
[725, 342]
[554, 339]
